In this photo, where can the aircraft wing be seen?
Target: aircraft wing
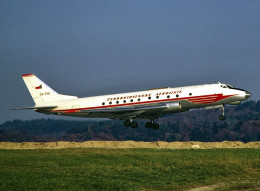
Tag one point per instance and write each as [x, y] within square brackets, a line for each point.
[39, 107]
[145, 111]
[128, 108]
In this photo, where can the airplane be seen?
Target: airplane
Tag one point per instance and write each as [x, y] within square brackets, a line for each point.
[150, 104]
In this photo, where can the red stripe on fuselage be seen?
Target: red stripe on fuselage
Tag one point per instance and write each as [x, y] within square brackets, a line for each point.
[201, 98]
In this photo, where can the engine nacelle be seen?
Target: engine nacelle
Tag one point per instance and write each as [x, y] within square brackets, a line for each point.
[173, 107]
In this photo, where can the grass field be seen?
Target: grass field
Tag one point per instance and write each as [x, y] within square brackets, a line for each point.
[129, 169]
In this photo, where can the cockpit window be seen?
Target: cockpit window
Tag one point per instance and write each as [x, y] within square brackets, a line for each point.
[230, 87]
[227, 86]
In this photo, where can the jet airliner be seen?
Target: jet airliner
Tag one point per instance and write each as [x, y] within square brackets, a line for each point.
[150, 104]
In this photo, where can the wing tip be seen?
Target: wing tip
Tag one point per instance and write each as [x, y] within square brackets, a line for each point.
[36, 107]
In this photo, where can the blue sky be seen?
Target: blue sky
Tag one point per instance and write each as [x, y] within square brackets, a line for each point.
[88, 48]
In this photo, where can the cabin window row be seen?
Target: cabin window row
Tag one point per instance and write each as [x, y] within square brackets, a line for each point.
[131, 100]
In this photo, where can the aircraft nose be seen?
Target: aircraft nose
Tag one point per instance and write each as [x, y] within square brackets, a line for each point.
[248, 95]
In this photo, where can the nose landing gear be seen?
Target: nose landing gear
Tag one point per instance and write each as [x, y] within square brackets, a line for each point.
[222, 116]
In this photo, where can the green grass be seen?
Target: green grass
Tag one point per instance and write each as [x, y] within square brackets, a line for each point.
[127, 169]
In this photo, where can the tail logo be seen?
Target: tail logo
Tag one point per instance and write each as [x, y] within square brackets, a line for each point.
[38, 87]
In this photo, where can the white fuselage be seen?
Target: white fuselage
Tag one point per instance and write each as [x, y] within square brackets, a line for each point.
[150, 104]
[189, 97]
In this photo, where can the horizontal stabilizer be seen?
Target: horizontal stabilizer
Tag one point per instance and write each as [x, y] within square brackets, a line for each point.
[40, 107]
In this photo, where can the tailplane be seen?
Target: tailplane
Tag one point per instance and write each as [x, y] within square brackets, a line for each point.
[41, 92]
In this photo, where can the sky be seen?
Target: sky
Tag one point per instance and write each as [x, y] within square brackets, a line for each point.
[90, 47]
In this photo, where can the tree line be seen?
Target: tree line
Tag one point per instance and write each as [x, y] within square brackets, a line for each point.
[242, 124]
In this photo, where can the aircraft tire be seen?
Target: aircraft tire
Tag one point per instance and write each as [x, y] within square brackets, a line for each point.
[134, 124]
[222, 117]
[155, 126]
[127, 123]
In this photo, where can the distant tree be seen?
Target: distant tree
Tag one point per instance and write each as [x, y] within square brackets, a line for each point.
[258, 106]
[196, 134]
[201, 125]
[238, 126]
[215, 128]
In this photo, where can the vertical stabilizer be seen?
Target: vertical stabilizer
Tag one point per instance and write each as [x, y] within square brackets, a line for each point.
[41, 92]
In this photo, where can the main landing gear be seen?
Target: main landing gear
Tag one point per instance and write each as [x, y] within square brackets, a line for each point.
[134, 124]
[154, 126]
[222, 116]
[130, 123]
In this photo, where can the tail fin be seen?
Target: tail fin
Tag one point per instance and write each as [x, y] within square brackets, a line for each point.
[41, 92]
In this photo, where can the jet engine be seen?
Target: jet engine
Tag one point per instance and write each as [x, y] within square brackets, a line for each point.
[173, 107]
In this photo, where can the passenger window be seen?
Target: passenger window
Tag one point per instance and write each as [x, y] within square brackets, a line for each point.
[117, 102]
[190, 94]
[131, 100]
[157, 97]
[139, 99]
[103, 103]
[177, 95]
[149, 98]
[168, 96]
[124, 101]
[110, 102]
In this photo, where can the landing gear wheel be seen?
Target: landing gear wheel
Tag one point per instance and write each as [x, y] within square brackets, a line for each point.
[152, 125]
[127, 123]
[134, 124]
[155, 126]
[222, 117]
